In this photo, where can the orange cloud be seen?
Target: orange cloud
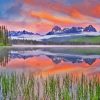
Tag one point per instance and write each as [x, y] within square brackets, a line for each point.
[72, 11]
[79, 10]
[96, 11]
[52, 18]
[76, 14]
[89, 8]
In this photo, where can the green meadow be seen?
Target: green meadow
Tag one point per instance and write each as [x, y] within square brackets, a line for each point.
[74, 40]
[86, 40]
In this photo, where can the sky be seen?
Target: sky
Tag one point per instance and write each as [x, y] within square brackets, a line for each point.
[40, 16]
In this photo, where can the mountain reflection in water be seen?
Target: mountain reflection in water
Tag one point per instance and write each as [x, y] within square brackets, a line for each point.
[40, 60]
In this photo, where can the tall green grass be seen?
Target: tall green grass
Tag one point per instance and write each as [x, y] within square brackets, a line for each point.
[58, 87]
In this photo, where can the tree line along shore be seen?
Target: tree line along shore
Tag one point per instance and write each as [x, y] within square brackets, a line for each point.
[4, 36]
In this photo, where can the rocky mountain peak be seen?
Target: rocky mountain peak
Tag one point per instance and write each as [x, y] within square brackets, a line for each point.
[89, 28]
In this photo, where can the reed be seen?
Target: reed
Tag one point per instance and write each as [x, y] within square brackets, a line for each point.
[58, 87]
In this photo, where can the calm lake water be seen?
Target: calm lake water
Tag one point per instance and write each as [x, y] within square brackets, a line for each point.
[51, 60]
[50, 73]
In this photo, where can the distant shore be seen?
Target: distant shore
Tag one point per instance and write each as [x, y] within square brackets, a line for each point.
[55, 46]
[52, 46]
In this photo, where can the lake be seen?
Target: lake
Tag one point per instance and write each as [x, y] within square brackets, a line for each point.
[66, 73]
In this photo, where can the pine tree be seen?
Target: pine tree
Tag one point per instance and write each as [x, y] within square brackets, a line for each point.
[4, 35]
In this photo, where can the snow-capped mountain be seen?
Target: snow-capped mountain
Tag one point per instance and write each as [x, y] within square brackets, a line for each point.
[90, 28]
[72, 30]
[57, 30]
[19, 33]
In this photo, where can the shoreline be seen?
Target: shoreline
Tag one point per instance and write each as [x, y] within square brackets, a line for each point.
[51, 46]
[55, 46]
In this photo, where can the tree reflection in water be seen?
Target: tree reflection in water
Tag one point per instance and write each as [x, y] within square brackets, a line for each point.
[4, 57]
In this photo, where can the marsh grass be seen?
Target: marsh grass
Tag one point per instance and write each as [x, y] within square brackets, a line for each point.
[58, 87]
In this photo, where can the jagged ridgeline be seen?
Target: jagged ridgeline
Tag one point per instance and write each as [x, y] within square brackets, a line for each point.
[4, 36]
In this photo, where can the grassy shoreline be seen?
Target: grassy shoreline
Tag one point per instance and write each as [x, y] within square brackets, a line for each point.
[60, 87]
[2, 44]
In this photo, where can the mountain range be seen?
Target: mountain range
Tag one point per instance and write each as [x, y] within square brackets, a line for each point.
[19, 33]
[57, 30]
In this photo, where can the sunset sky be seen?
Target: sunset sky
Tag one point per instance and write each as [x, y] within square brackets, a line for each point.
[41, 15]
